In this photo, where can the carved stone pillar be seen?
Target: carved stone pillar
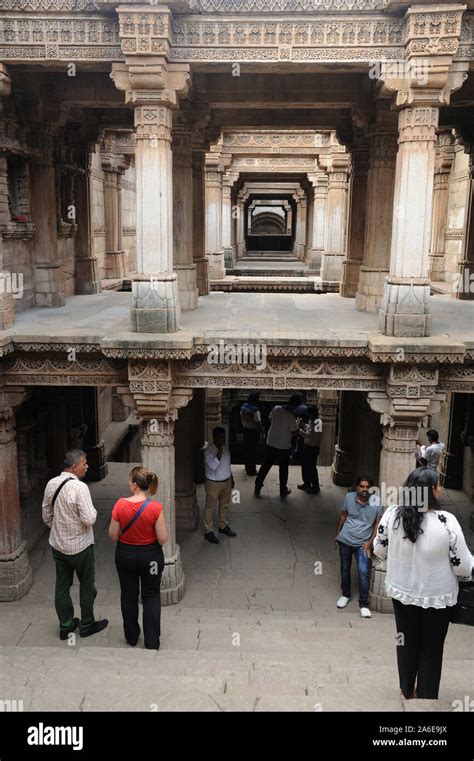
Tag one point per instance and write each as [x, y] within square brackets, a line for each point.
[93, 445]
[228, 182]
[241, 247]
[187, 508]
[114, 254]
[49, 281]
[7, 309]
[183, 225]
[199, 224]
[343, 465]
[214, 249]
[158, 456]
[15, 572]
[356, 239]
[465, 276]
[153, 86]
[328, 409]
[87, 278]
[213, 411]
[336, 218]
[432, 37]
[301, 214]
[320, 195]
[380, 190]
[443, 164]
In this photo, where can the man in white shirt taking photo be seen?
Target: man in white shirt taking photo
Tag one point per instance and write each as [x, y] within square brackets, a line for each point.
[218, 486]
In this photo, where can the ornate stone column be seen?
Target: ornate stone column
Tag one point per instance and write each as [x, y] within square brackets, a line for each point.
[199, 224]
[15, 572]
[431, 40]
[87, 278]
[356, 239]
[465, 284]
[336, 215]
[228, 181]
[113, 166]
[301, 224]
[153, 86]
[343, 465]
[49, 281]
[380, 190]
[183, 223]
[443, 165]
[328, 409]
[214, 178]
[241, 248]
[7, 309]
[319, 181]
[213, 411]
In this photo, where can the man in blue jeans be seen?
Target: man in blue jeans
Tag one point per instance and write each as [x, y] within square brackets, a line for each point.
[355, 533]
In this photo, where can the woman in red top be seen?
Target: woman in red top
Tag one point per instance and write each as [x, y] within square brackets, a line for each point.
[139, 557]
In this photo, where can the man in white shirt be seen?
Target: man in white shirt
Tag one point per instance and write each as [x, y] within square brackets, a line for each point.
[69, 513]
[218, 486]
[431, 455]
[278, 447]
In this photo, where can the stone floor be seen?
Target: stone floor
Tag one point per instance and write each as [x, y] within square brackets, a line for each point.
[325, 318]
[257, 629]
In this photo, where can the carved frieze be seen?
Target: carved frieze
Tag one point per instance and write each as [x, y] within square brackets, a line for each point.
[284, 6]
[64, 38]
[62, 371]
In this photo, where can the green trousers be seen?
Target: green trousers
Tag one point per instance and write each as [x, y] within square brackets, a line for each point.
[83, 563]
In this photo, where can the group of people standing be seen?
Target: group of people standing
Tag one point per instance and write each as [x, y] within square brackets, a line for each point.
[423, 544]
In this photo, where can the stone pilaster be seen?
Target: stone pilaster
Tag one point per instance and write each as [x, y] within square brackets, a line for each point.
[241, 248]
[343, 465]
[319, 181]
[328, 409]
[183, 225]
[380, 189]
[443, 164]
[199, 223]
[465, 275]
[356, 238]
[15, 572]
[7, 309]
[336, 216]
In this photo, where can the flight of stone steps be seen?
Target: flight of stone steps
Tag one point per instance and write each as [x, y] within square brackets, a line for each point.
[221, 660]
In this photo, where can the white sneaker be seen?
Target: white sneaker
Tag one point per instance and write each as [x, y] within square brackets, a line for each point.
[342, 602]
[365, 613]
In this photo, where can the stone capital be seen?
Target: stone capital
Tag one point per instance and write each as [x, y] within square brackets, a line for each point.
[152, 81]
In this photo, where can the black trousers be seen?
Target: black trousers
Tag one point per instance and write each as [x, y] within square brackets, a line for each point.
[309, 471]
[140, 564]
[272, 456]
[420, 648]
[251, 438]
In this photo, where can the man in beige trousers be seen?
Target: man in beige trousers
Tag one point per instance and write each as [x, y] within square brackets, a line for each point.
[219, 484]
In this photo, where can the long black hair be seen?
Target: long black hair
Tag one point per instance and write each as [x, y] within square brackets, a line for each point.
[417, 497]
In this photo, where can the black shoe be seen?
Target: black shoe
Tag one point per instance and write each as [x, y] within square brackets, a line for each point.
[135, 640]
[303, 487]
[227, 531]
[96, 627]
[65, 634]
[285, 493]
[211, 537]
[257, 492]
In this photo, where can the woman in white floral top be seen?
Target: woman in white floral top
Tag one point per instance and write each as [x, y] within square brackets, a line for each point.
[426, 553]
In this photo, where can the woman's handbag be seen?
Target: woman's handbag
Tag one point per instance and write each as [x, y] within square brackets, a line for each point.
[463, 611]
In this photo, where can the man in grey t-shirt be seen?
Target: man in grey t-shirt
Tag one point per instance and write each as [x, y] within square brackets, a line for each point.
[355, 533]
[278, 446]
